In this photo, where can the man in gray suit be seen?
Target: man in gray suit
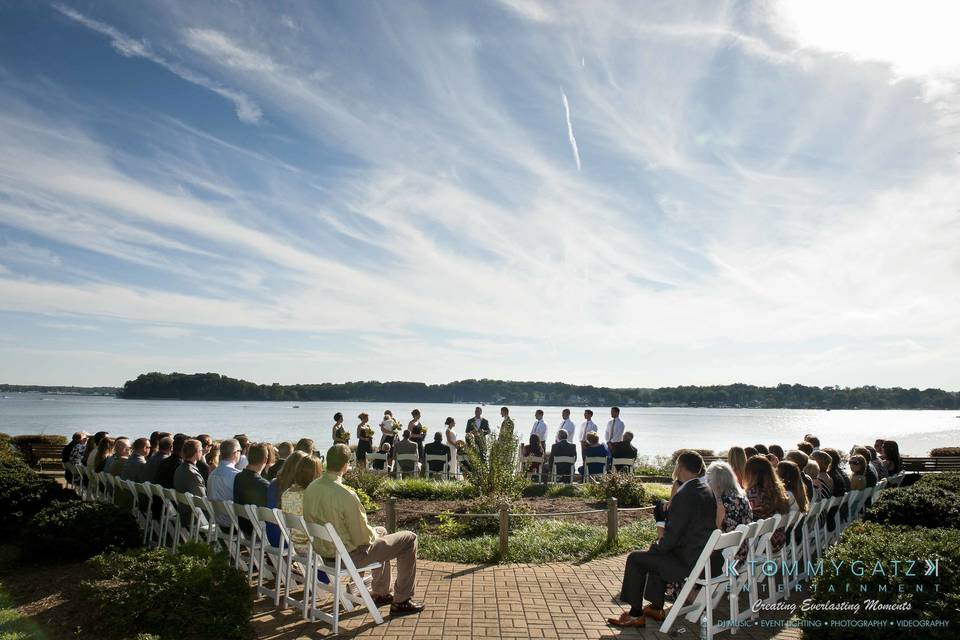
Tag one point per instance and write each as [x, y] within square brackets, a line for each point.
[187, 478]
[406, 445]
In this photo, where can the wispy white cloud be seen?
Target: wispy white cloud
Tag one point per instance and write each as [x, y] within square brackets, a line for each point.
[247, 110]
[570, 136]
[165, 332]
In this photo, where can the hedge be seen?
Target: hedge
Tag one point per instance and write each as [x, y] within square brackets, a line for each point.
[871, 543]
[77, 531]
[944, 452]
[23, 493]
[920, 505]
[196, 594]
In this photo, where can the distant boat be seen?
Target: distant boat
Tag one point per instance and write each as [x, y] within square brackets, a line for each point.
[296, 406]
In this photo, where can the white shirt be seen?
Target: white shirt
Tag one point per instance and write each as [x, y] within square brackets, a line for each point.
[540, 428]
[220, 486]
[614, 432]
[587, 427]
[241, 464]
[571, 429]
[386, 426]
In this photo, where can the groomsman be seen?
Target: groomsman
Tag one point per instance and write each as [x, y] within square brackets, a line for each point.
[539, 427]
[567, 425]
[588, 426]
[615, 428]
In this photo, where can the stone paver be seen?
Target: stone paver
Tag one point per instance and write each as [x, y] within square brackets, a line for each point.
[557, 601]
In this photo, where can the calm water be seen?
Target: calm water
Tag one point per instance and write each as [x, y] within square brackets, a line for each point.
[657, 431]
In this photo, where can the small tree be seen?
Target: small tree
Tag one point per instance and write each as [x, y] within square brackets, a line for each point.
[493, 467]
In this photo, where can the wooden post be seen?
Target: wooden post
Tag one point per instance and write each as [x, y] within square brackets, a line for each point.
[504, 532]
[391, 515]
[613, 523]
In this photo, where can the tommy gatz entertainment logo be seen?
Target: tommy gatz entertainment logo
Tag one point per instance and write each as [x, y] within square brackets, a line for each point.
[855, 569]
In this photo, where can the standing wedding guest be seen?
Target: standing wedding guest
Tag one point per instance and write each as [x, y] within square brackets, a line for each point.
[244, 445]
[389, 428]
[588, 426]
[615, 428]
[693, 515]
[221, 480]
[737, 459]
[566, 424]
[417, 431]
[249, 487]
[478, 424]
[339, 433]
[452, 442]
[136, 463]
[539, 427]
[364, 439]
[206, 443]
[624, 450]
[284, 451]
[435, 448]
[507, 420]
[327, 499]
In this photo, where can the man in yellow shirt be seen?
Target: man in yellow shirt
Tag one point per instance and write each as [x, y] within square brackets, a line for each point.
[327, 499]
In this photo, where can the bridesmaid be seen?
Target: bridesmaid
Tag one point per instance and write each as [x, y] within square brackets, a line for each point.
[452, 443]
[339, 433]
[364, 439]
[417, 431]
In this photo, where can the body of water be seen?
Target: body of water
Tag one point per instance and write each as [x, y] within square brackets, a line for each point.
[657, 431]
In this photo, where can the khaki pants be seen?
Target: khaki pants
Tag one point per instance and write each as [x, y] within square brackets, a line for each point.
[402, 546]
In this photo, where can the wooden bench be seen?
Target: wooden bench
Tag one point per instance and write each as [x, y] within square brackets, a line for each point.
[925, 465]
[38, 453]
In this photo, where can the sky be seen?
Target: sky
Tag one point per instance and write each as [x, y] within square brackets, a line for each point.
[620, 194]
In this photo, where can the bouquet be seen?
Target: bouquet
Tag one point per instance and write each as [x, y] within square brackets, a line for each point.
[340, 435]
[366, 431]
[397, 427]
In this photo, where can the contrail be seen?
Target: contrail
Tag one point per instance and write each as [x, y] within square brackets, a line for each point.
[573, 140]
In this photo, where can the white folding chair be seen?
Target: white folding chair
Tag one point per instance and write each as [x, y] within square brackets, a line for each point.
[173, 525]
[702, 576]
[789, 558]
[338, 568]
[557, 460]
[207, 528]
[381, 457]
[275, 556]
[196, 521]
[244, 541]
[444, 473]
[398, 469]
[131, 487]
[299, 563]
[761, 551]
[618, 463]
[829, 537]
[227, 530]
[602, 460]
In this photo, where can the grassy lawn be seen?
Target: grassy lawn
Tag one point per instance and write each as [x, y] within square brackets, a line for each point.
[545, 540]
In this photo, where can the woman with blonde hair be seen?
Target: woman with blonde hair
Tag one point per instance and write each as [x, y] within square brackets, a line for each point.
[104, 451]
[789, 474]
[306, 470]
[737, 459]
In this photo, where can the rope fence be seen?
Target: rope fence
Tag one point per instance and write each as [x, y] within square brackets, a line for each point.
[503, 514]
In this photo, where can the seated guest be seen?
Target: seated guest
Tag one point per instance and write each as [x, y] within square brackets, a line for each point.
[305, 445]
[533, 450]
[693, 517]
[749, 452]
[136, 463]
[774, 460]
[187, 478]
[624, 449]
[249, 487]
[164, 447]
[767, 495]
[244, 446]
[891, 458]
[382, 465]
[776, 450]
[305, 469]
[121, 451]
[167, 468]
[858, 472]
[801, 459]
[220, 482]
[841, 482]
[406, 446]
[66, 455]
[792, 478]
[806, 447]
[823, 459]
[595, 449]
[737, 459]
[103, 454]
[761, 449]
[820, 490]
[212, 457]
[813, 440]
[206, 444]
[327, 499]
[274, 492]
[436, 448]
[733, 507]
[875, 463]
[284, 449]
[562, 449]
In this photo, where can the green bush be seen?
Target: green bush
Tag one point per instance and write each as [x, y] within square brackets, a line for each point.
[367, 481]
[420, 489]
[9, 454]
[194, 595]
[368, 503]
[872, 543]
[492, 465]
[627, 488]
[945, 452]
[920, 505]
[79, 530]
[23, 493]
[948, 481]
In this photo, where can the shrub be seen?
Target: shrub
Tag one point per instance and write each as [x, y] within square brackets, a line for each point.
[79, 530]
[492, 465]
[367, 502]
[871, 544]
[627, 488]
[23, 493]
[9, 454]
[148, 590]
[944, 451]
[420, 489]
[368, 482]
[921, 505]
[654, 466]
[947, 481]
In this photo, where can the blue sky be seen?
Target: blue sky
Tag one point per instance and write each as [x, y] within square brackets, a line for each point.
[628, 194]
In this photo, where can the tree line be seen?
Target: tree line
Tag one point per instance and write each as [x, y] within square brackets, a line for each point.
[213, 386]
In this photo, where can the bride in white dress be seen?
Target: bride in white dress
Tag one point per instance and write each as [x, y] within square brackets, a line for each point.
[452, 443]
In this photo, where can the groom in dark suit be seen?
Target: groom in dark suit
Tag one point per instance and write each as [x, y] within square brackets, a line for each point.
[478, 424]
[691, 519]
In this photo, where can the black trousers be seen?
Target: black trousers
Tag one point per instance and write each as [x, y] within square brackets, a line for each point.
[646, 576]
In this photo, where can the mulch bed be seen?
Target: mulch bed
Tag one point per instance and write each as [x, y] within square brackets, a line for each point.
[408, 511]
[47, 593]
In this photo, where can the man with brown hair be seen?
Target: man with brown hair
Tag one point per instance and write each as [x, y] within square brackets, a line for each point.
[250, 487]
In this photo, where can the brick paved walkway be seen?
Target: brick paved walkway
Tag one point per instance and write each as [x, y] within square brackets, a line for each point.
[559, 601]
